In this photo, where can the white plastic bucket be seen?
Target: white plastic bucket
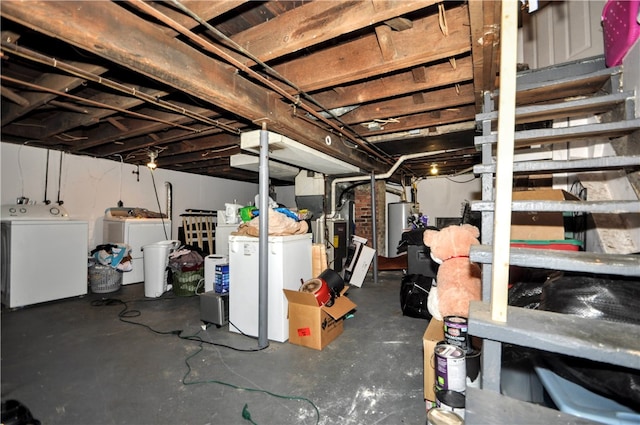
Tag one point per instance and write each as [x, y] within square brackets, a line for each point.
[156, 259]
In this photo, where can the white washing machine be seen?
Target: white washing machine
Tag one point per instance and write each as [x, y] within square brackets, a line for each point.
[119, 227]
[44, 254]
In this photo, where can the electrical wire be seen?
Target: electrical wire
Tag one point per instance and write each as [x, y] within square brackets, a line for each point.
[241, 66]
[155, 190]
[245, 411]
[466, 181]
[125, 314]
[120, 203]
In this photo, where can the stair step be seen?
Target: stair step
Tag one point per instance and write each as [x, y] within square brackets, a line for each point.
[575, 85]
[587, 262]
[604, 207]
[489, 407]
[594, 339]
[568, 109]
[565, 134]
[564, 70]
[568, 165]
[579, 78]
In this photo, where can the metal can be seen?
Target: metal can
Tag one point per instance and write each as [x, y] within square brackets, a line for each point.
[474, 371]
[456, 332]
[439, 416]
[451, 400]
[451, 370]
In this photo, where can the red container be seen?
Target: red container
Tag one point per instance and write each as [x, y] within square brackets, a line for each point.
[563, 245]
[319, 288]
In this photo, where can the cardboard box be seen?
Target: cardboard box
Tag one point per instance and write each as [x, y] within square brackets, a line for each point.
[433, 335]
[313, 326]
[536, 225]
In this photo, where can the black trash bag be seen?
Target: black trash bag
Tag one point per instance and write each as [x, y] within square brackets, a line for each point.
[615, 299]
[412, 237]
[16, 413]
[414, 292]
[526, 289]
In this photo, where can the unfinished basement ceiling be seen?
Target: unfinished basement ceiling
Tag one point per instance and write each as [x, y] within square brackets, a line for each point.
[362, 81]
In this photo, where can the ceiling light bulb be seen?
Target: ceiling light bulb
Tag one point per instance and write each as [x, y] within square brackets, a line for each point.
[434, 169]
[152, 161]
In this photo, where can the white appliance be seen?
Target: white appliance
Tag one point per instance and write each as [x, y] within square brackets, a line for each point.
[44, 254]
[289, 263]
[398, 214]
[223, 231]
[135, 232]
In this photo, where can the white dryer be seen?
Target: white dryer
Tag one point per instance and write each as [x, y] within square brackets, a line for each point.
[44, 254]
[121, 227]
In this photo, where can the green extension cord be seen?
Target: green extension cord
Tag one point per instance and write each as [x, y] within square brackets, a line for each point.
[246, 415]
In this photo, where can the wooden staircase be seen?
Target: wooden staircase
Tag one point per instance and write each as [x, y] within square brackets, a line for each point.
[562, 92]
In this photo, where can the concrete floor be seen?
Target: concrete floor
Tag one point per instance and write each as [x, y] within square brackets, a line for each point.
[75, 362]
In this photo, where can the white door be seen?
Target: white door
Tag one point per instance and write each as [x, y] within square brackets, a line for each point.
[562, 31]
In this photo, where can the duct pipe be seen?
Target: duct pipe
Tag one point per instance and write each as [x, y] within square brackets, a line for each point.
[401, 193]
[169, 206]
[386, 175]
[263, 242]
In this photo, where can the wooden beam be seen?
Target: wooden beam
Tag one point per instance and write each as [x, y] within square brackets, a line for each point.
[426, 119]
[136, 139]
[429, 77]
[114, 33]
[207, 10]
[385, 41]
[361, 58]
[14, 97]
[63, 122]
[317, 22]
[52, 81]
[399, 24]
[196, 157]
[504, 161]
[436, 99]
[484, 18]
[114, 122]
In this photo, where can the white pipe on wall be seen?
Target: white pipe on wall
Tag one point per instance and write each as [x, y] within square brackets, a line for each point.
[386, 175]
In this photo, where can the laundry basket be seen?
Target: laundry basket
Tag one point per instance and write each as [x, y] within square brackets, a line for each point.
[188, 281]
[104, 279]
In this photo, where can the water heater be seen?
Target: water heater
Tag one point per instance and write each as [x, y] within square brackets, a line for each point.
[398, 214]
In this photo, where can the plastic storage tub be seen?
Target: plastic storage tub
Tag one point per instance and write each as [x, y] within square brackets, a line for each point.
[578, 401]
[562, 245]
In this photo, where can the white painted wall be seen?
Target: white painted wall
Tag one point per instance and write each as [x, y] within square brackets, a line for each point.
[90, 185]
[445, 196]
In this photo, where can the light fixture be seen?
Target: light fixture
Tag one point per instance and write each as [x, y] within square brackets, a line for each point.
[434, 169]
[294, 153]
[152, 161]
[252, 163]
